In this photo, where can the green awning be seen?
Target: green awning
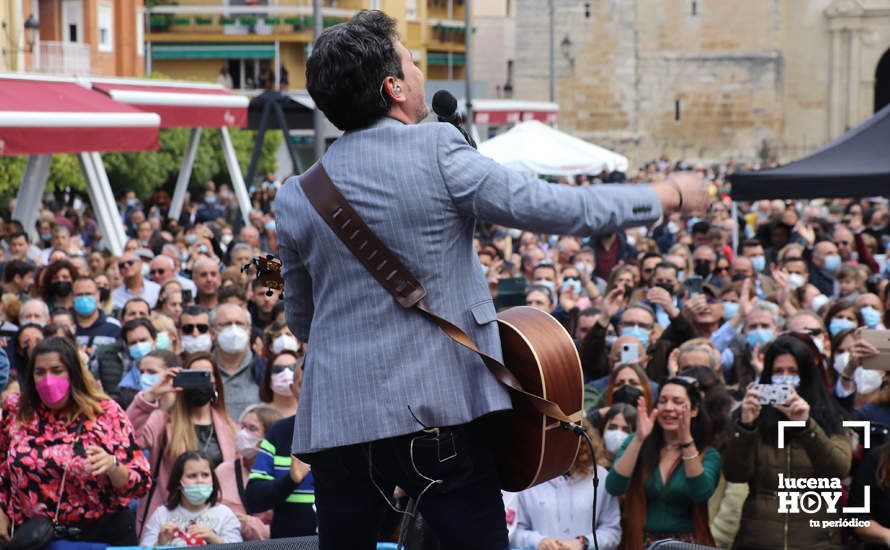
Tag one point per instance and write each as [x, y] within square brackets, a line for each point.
[212, 51]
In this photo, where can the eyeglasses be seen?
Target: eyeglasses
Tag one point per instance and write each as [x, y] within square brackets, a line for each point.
[711, 300]
[845, 243]
[190, 328]
[570, 278]
[158, 271]
[810, 331]
[278, 369]
[719, 269]
[125, 264]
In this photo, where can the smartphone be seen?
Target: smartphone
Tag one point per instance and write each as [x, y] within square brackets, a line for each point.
[630, 353]
[881, 340]
[693, 285]
[186, 296]
[771, 394]
[192, 380]
[511, 292]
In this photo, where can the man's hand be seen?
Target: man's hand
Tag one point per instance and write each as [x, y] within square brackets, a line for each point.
[690, 186]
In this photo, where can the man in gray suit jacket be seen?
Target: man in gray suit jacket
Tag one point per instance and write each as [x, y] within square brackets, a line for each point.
[376, 375]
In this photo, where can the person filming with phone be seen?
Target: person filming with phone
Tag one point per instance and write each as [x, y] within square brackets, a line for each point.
[821, 449]
[195, 421]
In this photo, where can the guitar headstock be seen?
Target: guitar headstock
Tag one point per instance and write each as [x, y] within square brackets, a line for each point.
[268, 272]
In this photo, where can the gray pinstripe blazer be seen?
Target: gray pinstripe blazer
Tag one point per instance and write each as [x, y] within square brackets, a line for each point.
[420, 188]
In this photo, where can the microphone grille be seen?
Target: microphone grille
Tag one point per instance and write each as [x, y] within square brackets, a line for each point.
[444, 103]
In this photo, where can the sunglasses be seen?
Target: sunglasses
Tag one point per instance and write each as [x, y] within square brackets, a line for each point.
[158, 271]
[720, 269]
[278, 369]
[125, 264]
[189, 329]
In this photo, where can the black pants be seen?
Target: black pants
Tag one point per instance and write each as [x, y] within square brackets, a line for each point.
[453, 475]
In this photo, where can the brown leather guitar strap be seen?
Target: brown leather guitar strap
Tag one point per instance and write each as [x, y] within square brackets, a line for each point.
[383, 265]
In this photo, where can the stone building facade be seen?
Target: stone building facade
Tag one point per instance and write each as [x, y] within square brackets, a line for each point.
[706, 80]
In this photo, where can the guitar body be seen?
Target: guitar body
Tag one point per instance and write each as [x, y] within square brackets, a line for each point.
[529, 447]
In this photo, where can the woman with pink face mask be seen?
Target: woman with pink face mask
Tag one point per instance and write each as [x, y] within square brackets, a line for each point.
[62, 427]
[255, 422]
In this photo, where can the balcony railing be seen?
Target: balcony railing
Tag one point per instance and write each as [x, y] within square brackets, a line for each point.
[62, 58]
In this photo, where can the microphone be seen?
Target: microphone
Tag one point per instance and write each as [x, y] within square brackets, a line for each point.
[445, 107]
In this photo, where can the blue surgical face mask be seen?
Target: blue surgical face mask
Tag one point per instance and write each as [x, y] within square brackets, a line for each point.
[574, 285]
[681, 275]
[197, 493]
[832, 263]
[270, 225]
[786, 379]
[871, 316]
[163, 341]
[191, 238]
[730, 310]
[146, 381]
[838, 324]
[140, 350]
[759, 263]
[640, 333]
[86, 305]
[760, 336]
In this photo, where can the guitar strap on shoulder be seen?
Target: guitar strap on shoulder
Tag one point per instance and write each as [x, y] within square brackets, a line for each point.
[393, 276]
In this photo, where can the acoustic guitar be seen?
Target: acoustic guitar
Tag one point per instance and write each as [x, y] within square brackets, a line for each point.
[535, 441]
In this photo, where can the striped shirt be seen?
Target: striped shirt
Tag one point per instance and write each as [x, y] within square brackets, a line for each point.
[270, 486]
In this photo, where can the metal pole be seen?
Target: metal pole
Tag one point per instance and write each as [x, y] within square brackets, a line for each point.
[27, 203]
[317, 116]
[235, 174]
[550, 11]
[735, 227]
[185, 173]
[468, 63]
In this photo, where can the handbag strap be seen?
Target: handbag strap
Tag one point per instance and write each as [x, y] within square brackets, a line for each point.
[239, 478]
[77, 434]
[154, 480]
[393, 276]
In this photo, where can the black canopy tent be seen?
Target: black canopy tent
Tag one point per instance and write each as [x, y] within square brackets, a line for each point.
[857, 164]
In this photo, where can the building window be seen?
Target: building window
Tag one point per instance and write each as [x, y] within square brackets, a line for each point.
[106, 18]
[411, 10]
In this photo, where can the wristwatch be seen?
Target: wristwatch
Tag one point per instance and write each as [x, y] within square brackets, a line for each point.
[117, 462]
[585, 543]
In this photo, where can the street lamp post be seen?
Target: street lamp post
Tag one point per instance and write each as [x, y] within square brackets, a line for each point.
[317, 116]
[552, 39]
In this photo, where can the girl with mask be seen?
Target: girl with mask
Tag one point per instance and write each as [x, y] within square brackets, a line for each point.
[842, 315]
[196, 420]
[192, 514]
[820, 449]
[62, 423]
[558, 513]
[56, 285]
[281, 382]
[619, 422]
[255, 422]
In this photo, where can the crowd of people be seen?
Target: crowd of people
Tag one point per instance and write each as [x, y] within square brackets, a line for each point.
[149, 398]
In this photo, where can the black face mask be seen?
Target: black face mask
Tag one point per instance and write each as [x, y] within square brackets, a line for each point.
[702, 268]
[62, 289]
[666, 286]
[104, 294]
[198, 397]
[627, 394]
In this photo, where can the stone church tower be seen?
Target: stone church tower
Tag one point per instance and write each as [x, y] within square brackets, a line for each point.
[706, 80]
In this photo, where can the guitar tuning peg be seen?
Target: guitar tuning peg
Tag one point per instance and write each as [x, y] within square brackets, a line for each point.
[269, 292]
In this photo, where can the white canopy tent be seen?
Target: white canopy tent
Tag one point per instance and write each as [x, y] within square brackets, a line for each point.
[535, 147]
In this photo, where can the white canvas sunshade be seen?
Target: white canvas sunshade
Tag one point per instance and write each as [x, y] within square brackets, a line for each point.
[534, 147]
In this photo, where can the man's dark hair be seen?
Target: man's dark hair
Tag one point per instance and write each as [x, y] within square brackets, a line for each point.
[16, 267]
[701, 227]
[345, 72]
[667, 265]
[133, 324]
[17, 227]
[18, 234]
[194, 311]
[751, 243]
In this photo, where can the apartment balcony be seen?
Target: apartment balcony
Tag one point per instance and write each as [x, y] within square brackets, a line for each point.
[65, 58]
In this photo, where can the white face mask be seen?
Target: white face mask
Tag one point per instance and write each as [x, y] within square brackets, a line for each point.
[819, 343]
[818, 301]
[613, 440]
[194, 344]
[281, 383]
[867, 380]
[233, 339]
[285, 342]
[795, 281]
[246, 443]
[840, 360]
